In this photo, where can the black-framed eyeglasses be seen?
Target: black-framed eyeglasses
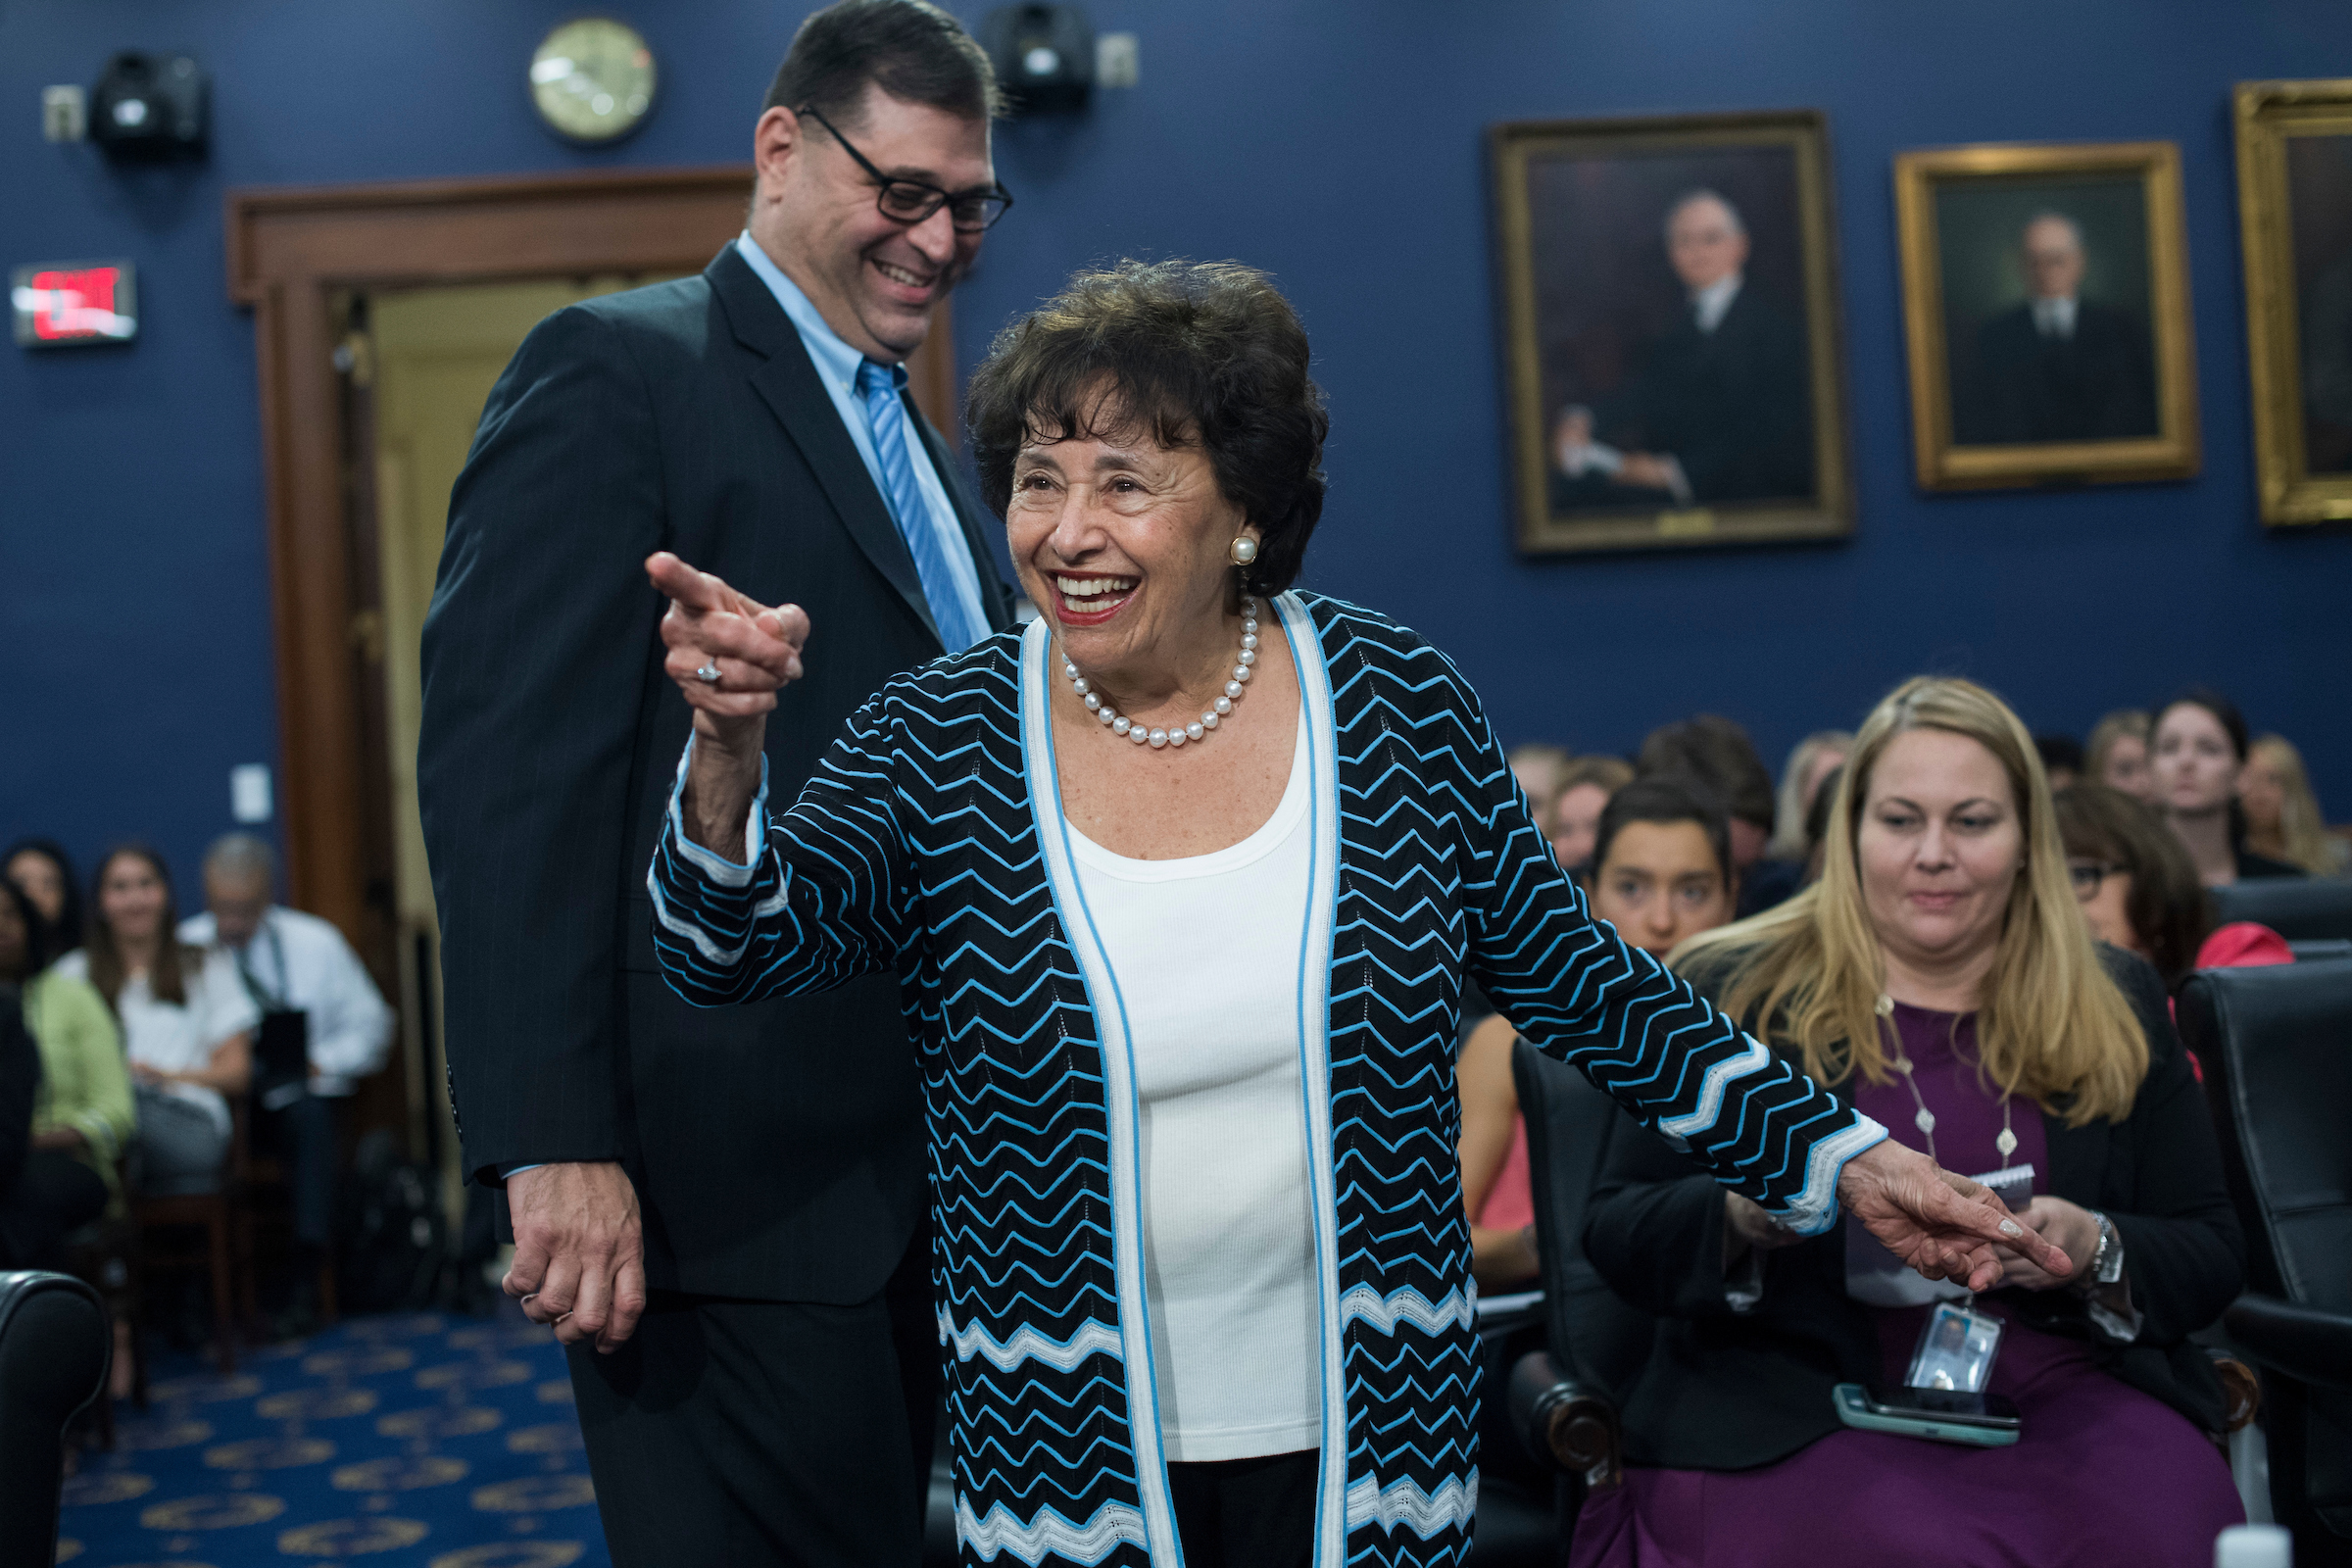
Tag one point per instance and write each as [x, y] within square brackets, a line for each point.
[2088, 876]
[911, 201]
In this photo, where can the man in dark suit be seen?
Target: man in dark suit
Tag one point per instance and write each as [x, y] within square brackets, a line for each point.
[730, 1206]
[2057, 367]
[1718, 408]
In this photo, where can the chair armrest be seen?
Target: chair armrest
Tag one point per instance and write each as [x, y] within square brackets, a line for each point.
[1561, 1421]
[2312, 1345]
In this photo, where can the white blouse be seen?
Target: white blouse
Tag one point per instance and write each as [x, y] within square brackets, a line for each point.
[172, 1037]
[1205, 954]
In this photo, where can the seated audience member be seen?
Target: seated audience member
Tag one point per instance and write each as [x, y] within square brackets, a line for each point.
[2061, 758]
[1943, 976]
[1537, 766]
[1717, 753]
[2198, 751]
[2282, 815]
[42, 868]
[187, 1024]
[1813, 760]
[2141, 895]
[64, 1105]
[1662, 873]
[1585, 786]
[294, 966]
[2117, 754]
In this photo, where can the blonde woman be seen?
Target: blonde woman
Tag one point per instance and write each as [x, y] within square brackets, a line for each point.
[1810, 763]
[2282, 815]
[1940, 978]
[2117, 754]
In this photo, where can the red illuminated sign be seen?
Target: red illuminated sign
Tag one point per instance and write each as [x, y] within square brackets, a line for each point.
[59, 305]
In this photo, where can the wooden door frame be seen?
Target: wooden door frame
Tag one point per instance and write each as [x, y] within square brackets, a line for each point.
[291, 252]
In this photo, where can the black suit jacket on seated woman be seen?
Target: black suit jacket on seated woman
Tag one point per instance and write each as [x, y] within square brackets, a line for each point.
[1726, 1391]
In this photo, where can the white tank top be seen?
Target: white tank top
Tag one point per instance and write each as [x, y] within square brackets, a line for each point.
[1206, 951]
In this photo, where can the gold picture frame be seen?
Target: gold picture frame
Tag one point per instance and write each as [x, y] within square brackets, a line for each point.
[1596, 309]
[2295, 288]
[2104, 394]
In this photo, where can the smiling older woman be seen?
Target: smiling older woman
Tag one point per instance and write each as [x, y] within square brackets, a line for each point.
[1182, 885]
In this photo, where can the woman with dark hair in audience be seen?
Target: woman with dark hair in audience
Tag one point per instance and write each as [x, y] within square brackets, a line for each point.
[2141, 895]
[187, 1021]
[2283, 821]
[2117, 754]
[78, 1113]
[1940, 978]
[1662, 873]
[43, 869]
[2197, 750]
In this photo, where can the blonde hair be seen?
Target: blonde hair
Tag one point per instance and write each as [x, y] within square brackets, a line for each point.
[2123, 724]
[1790, 805]
[2051, 1025]
[2302, 838]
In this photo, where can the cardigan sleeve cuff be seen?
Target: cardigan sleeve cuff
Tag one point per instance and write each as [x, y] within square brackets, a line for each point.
[1815, 1209]
[717, 867]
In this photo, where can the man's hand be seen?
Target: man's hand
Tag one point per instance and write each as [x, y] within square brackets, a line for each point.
[1944, 1226]
[1645, 472]
[2064, 1225]
[579, 1251]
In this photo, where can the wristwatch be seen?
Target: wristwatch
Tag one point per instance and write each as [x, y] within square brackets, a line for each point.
[2107, 1264]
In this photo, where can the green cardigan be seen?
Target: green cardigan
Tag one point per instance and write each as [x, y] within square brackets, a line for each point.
[84, 1084]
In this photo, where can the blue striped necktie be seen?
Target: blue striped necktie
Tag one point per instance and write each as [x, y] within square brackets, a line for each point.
[885, 416]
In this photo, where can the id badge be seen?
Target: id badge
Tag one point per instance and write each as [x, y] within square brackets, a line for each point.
[1955, 1351]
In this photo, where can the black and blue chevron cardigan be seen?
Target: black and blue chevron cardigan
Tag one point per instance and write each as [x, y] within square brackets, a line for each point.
[931, 843]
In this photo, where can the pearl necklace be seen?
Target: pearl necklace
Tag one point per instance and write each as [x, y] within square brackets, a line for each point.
[1169, 739]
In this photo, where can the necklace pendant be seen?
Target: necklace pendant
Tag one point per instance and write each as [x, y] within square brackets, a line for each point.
[2006, 1143]
[1926, 1120]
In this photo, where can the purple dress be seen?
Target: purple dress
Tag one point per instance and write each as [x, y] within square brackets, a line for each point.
[2101, 1473]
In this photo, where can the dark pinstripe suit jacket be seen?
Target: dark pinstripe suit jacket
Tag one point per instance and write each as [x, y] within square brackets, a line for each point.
[772, 1161]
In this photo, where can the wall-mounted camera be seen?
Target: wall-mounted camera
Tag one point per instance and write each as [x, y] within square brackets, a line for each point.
[1044, 54]
[151, 106]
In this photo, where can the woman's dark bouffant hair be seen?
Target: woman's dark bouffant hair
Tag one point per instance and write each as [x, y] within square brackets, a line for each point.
[2167, 908]
[1204, 354]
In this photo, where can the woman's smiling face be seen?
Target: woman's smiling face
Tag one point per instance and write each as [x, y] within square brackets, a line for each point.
[1122, 542]
[1938, 846]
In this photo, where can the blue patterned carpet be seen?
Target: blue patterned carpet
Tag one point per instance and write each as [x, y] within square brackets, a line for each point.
[417, 1440]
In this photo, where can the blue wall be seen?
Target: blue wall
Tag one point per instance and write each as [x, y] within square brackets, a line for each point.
[1337, 144]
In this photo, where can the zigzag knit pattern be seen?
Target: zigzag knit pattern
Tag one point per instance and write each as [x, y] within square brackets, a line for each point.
[914, 849]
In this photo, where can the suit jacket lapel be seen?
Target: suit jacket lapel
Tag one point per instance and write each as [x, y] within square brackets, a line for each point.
[996, 601]
[788, 383]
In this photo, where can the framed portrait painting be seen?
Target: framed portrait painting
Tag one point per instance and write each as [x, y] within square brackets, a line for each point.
[2045, 300]
[2294, 193]
[1671, 334]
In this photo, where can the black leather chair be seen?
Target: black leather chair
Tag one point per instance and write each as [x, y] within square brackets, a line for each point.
[54, 1345]
[2299, 908]
[1563, 1400]
[2277, 1046]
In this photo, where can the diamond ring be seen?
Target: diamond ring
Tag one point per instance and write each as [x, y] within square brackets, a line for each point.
[709, 673]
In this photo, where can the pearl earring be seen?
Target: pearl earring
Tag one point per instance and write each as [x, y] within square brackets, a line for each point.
[1243, 551]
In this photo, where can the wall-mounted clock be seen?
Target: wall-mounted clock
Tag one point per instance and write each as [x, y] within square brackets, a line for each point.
[593, 80]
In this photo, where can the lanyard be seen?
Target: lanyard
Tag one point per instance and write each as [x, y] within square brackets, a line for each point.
[262, 997]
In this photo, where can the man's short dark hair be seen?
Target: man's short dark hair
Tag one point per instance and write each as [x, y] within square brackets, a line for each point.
[1718, 754]
[1665, 797]
[914, 52]
[1204, 354]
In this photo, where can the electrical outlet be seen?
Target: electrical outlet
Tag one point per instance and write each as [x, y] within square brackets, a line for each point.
[1115, 60]
[65, 113]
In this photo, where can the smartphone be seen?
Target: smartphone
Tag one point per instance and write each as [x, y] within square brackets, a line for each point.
[1941, 1415]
